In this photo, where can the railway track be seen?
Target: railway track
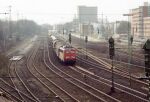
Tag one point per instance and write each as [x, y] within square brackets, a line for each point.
[77, 91]
[51, 86]
[136, 57]
[142, 93]
[23, 94]
[137, 54]
[125, 75]
[118, 66]
[107, 82]
[15, 87]
[23, 84]
[9, 91]
[119, 71]
[12, 90]
[137, 87]
[123, 89]
[32, 97]
[33, 71]
[82, 85]
[47, 83]
[14, 65]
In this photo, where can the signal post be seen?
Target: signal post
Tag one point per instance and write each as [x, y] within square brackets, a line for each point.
[111, 54]
[86, 40]
[70, 38]
[146, 48]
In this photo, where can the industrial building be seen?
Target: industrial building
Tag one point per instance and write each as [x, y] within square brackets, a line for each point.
[87, 14]
[86, 17]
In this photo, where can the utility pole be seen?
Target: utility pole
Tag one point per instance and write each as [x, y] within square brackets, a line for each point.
[129, 48]
[4, 36]
[102, 26]
[10, 33]
[102, 18]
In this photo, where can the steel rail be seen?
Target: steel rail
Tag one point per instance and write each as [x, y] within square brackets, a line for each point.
[33, 100]
[53, 82]
[109, 84]
[43, 76]
[96, 65]
[118, 61]
[107, 65]
[9, 95]
[102, 93]
[16, 97]
[28, 67]
[14, 83]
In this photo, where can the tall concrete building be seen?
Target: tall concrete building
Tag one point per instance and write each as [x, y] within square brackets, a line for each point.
[87, 14]
[139, 20]
[147, 27]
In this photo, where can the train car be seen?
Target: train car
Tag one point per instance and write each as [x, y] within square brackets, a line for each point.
[64, 51]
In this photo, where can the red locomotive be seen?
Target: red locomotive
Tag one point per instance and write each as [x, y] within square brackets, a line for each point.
[64, 51]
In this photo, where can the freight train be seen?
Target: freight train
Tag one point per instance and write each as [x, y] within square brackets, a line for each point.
[64, 51]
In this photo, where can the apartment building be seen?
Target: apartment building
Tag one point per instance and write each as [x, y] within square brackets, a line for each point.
[147, 27]
[140, 20]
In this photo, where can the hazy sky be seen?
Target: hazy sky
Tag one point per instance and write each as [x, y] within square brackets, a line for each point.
[60, 11]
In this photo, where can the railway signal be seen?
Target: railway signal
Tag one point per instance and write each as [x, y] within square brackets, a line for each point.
[147, 57]
[111, 48]
[70, 38]
[146, 48]
[63, 31]
[98, 31]
[131, 39]
[86, 40]
[112, 53]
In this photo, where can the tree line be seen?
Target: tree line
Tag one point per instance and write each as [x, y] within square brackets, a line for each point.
[21, 27]
[16, 30]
